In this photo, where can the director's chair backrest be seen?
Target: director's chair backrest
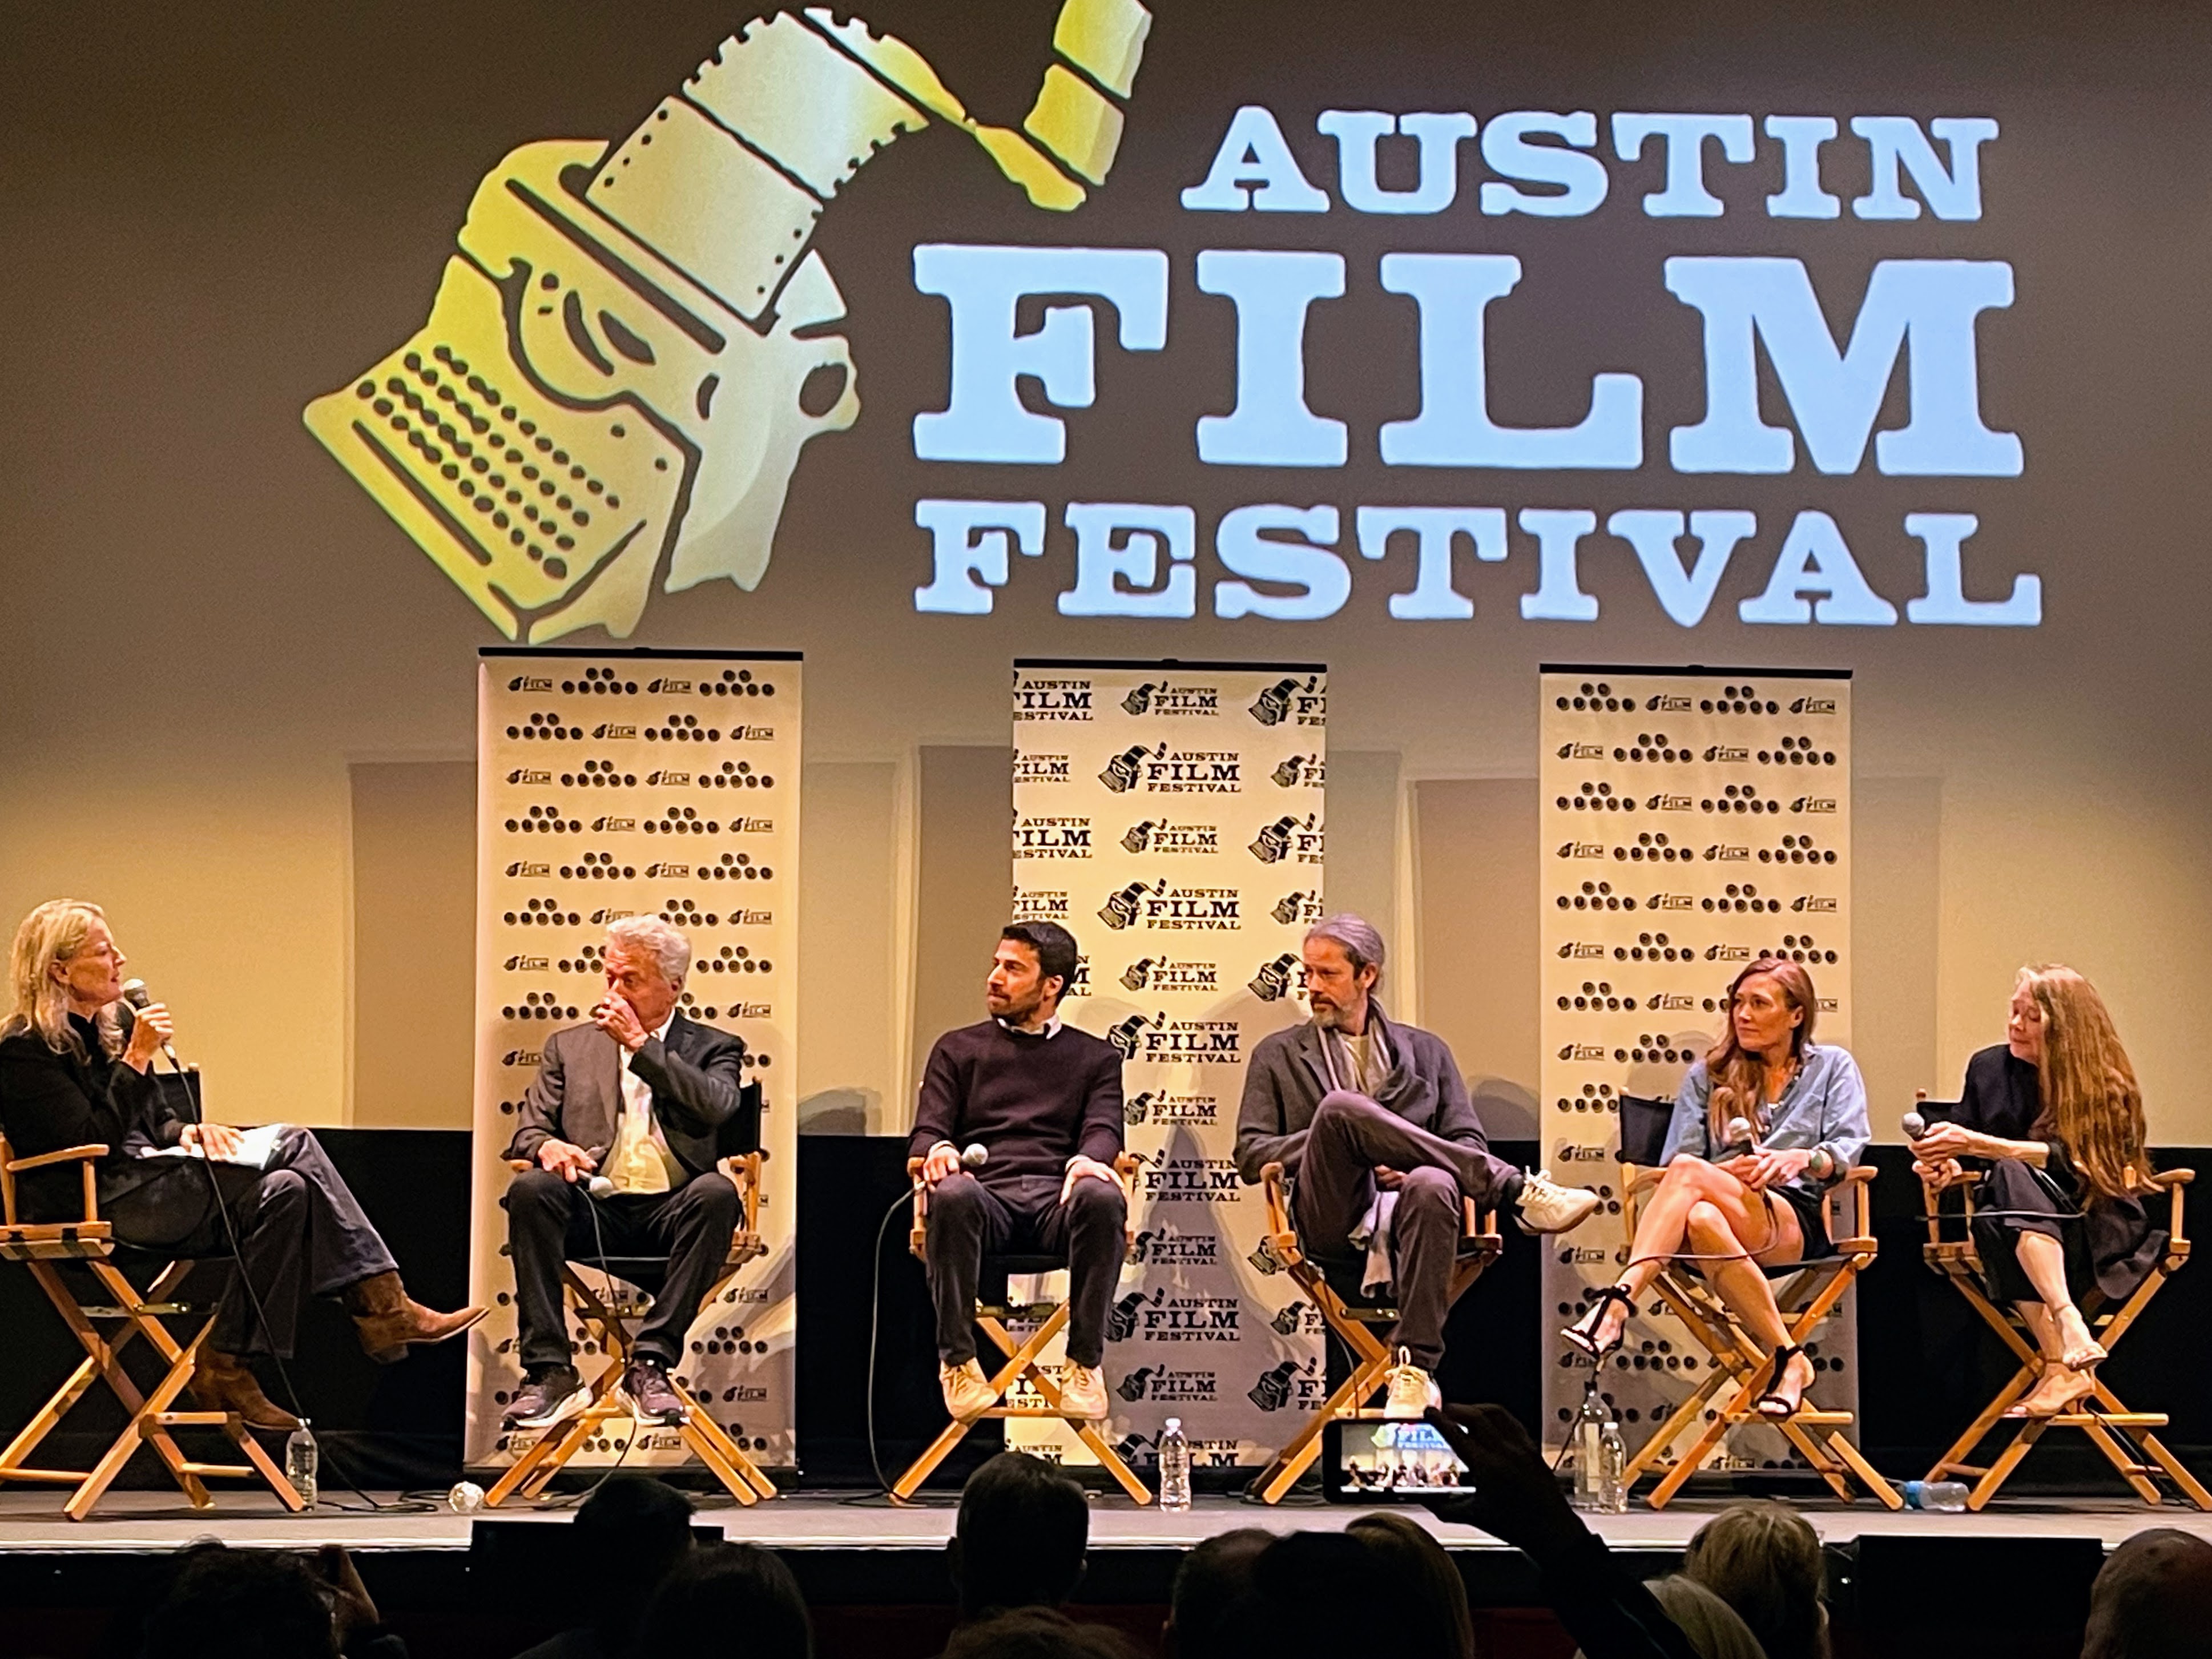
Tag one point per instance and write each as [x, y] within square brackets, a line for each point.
[1643, 1125]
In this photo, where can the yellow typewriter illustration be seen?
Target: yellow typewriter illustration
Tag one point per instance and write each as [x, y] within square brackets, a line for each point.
[631, 346]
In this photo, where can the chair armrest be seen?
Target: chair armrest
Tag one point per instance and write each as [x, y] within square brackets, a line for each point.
[2173, 1177]
[519, 1164]
[68, 1154]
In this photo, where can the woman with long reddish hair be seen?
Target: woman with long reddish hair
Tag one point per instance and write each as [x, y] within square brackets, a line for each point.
[1765, 1122]
[2056, 1115]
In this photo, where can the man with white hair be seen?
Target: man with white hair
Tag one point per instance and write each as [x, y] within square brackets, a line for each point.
[1371, 1121]
[646, 1099]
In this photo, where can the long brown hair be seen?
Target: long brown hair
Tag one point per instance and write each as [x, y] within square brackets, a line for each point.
[2091, 1101]
[1739, 1076]
[53, 932]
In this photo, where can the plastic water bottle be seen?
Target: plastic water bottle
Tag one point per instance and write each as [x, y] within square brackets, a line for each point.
[1612, 1483]
[1601, 1457]
[301, 1460]
[1175, 1468]
[1939, 1497]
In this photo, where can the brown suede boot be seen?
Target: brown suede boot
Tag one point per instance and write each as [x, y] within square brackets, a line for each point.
[389, 1321]
[220, 1383]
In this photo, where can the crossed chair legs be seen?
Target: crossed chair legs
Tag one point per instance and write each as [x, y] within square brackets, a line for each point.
[533, 1472]
[2126, 1438]
[1024, 1370]
[1739, 1375]
[151, 1415]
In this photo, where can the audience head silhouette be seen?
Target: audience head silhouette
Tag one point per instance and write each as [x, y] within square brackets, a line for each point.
[1020, 1539]
[1764, 1559]
[2153, 1599]
[1213, 1584]
[727, 1598]
[633, 1529]
[242, 1604]
[1035, 1633]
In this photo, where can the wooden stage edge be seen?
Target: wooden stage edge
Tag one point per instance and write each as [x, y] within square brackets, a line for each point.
[151, 1523]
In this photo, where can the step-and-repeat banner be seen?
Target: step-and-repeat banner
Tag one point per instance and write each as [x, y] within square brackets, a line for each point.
[1169, 815]
[614, 784]
[1693, 821]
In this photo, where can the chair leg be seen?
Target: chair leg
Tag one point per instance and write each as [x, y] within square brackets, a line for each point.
[720, 1453]
[88, 1495]
[2129, 1468]
[1297, 1455]
[926, 1465]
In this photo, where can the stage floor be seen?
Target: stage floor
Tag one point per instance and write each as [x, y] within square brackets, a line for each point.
[150, 1522]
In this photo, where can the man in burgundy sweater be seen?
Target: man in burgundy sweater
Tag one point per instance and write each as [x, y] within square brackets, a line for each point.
[1043, 1101]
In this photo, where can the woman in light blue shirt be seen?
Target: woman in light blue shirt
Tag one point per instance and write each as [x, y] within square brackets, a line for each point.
[1763, 1124]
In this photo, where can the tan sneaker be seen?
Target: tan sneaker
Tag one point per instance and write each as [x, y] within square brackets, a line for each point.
[1546, 1206]
[1413, 1392]
[1083, 1392]
[967, 1391]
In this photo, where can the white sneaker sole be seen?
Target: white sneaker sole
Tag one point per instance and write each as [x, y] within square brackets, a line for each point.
[1567, 1227]
[560, 1413]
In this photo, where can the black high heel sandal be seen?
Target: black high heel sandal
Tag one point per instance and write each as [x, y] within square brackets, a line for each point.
[1787, 1408]
[1576, 1337]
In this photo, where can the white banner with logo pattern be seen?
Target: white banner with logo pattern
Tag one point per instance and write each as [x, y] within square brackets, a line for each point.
[612, 784]
[1693, 821]
[1169, 816]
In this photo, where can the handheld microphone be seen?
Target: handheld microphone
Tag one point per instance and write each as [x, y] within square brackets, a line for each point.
[1739, 1132]
[597, 1185]
[135, 994]
[975, 1155]
[1914, 1126]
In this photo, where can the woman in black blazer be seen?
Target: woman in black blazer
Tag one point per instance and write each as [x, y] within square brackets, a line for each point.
[76, 1068]
[2055, 1114]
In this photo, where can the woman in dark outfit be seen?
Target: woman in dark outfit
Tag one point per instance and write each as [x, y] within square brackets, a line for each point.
[69, 1076]
[2056, 1111]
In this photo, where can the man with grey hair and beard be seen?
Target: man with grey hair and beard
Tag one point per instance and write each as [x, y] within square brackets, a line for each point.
[1371, 1122]
[647, 1099]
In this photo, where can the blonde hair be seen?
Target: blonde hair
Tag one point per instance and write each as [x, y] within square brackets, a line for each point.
[1739, 1076]
[1764, 1559]
[53, 932]
[2091, 1101]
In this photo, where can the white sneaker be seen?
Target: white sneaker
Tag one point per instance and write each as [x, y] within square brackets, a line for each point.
[1413, 1392]
[967, 1391]
[1083, 1392]
[1546, 1206]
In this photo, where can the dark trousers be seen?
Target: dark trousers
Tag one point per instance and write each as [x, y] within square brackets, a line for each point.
[1350, 1136]
[1022, 1215]
[300, 1232]
[2035, 1204]
[551, 1220]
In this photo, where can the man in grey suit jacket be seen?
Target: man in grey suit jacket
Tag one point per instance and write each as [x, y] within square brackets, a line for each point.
[1353, 1105]
[624, 1124]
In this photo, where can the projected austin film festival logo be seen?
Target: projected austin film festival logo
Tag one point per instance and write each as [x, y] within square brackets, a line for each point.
[632, 344]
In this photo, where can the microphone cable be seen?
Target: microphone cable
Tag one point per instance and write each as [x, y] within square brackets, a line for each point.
[875, 1330]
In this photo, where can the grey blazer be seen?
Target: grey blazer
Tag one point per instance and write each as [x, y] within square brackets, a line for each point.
[1287, 1077]
[700, 1097]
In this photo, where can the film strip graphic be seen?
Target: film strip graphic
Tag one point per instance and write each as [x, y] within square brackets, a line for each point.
[1693, 821]
[622, 783]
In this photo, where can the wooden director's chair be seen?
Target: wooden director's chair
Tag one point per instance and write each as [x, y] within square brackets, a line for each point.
[48, 1249]
[1023, 1373]
[605, 1318]
[1352, 1318]
[1739, 1369]
[2124, 1437]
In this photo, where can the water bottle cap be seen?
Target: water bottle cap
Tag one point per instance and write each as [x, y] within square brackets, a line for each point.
[1175, 1425]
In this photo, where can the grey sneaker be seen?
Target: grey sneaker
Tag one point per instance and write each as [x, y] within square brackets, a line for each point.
[551, 1395]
